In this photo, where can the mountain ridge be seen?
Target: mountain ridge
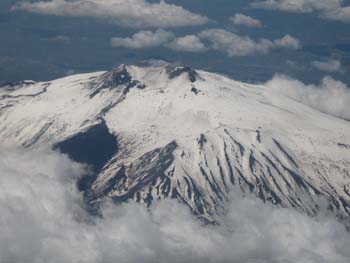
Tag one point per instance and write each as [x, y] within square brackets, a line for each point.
[188, 134]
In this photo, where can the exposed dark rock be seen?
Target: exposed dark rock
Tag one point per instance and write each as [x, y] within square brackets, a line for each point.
[143, 173]
[44, 89]
[344, 145]
[290, 158]
[117, 77]
[195, 91]
[21, 84]
[202, 140]
[175, 71]
[258, 135]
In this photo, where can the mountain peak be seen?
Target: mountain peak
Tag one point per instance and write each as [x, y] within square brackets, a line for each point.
[118, 76]
[175, 71]
[196, 142]
[120, 68]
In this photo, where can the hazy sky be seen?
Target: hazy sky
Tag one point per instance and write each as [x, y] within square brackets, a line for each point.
[248, 40]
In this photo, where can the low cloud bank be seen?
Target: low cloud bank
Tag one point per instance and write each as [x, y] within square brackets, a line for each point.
[42, 219]
[160, 38]
[330, 96]
[189, 43]
[330, 66]
[329, 9]
[212, 39]
[144, 39]
[127, 13]
[236, 45]
[244, 20]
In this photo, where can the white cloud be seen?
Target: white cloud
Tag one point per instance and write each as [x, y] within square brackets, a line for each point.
[38, 196]
[144, 39]
[330, 96]
[160, 38]
[219, 39]
[244, 20]
[128, 13]
[288, 42]
[189, 43]
[331, 65]
[236, 45]
[299, 6]
[340, 14]
[41, 220]
[330, 9]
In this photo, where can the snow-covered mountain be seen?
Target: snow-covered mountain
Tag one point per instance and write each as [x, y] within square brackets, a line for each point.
[158, 132]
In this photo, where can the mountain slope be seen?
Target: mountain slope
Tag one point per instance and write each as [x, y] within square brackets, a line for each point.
[180, 133]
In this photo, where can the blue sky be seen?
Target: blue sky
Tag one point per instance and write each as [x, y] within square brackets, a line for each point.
[247, 40]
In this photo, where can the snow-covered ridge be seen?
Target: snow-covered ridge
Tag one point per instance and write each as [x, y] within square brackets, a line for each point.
[187, 134]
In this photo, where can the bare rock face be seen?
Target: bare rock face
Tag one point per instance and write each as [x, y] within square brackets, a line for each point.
[175, 71]
[118, 77]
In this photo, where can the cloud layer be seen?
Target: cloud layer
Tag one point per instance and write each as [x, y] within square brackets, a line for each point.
[329, 9]
[41, 220]
[244, 20]
[160, 38]
[127, 13]
[236, 45]
[144, 39]
[216, 39]
[330, 96]
[189, 43]
[330, 66]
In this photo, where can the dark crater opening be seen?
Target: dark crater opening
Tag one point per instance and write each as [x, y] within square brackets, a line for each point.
[95, 147]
